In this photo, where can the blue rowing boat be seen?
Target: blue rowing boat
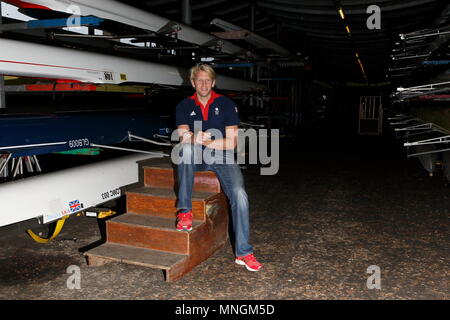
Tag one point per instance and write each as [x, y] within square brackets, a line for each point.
[26, 135]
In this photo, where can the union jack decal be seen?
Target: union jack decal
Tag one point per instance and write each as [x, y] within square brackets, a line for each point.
[75, 205]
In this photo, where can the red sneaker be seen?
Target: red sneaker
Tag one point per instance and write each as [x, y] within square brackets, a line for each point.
[250, 262]
[184, 221]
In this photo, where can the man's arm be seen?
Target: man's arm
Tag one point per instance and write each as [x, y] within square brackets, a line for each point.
[227, 143]
[186, 136]
[204, 138]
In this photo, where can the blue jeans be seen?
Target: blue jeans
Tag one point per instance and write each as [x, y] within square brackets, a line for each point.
[231, 181]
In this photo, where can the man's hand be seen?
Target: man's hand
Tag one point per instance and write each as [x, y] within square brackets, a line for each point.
[187, 137]
[202, 137]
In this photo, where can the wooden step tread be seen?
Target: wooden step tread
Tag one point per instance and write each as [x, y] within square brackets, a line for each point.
[157, 163]
[137, 256]
[169, 193]
[150, 221]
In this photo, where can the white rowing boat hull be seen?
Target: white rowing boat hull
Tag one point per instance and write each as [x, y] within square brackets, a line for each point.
[122, 13]
[19, 58]
[67, 191]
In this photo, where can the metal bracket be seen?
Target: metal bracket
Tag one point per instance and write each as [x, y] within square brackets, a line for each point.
[4, 163]
[404, 122]
[425, 33]
[127, 149]
[17, 165]
[428, 152]
[416, 91]
[408, 134]
[438, 140]
[423, 126]
[400, 117]
[130, 138]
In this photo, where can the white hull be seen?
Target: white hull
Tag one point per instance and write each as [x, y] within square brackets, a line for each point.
[91, 185]
[18, 58]
[120, 12]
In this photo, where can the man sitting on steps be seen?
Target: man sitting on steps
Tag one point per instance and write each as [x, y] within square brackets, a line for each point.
[212, 151]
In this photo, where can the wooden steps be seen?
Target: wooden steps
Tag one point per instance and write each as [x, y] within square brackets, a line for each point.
[162, 202]
[159, 173]
[146, 234]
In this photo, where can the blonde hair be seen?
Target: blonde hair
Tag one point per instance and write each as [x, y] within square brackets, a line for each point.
[202, 67]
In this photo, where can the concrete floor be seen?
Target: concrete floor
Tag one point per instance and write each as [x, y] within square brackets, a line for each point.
[333, 210]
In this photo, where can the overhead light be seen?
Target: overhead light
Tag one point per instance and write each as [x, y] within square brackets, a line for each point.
[348, 29]
[361, 65]
[341, 13]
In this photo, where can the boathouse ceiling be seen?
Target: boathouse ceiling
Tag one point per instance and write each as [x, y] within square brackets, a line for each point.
[336, 40]
[314, 31]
